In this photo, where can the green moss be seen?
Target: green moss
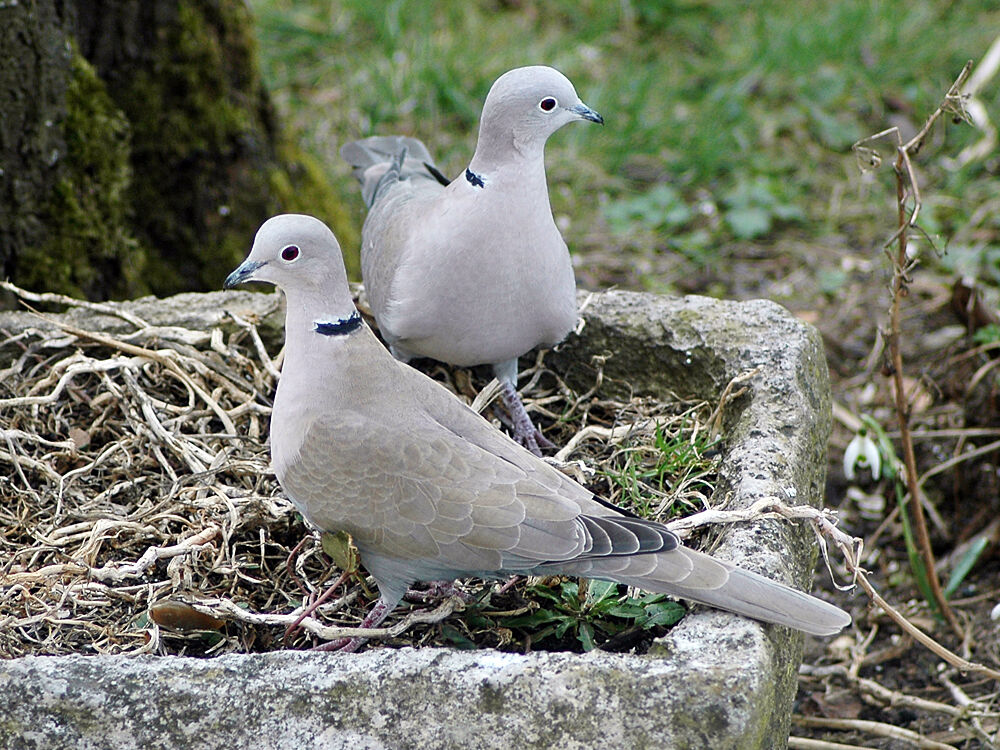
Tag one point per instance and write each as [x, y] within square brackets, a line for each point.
[89, 249]
[205, 135]
[201, 129]
[171, 165]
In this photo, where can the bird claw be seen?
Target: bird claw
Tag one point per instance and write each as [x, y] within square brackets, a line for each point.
[438, 590]
[349, 645]
[316, 604]
[525, 431]
[342, 645]
[533, 440]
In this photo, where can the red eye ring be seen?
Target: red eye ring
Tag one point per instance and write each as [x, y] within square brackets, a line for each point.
[547, 104]
[290, 253]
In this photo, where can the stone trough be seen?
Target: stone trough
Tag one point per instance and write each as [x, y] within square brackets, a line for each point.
[714, 681]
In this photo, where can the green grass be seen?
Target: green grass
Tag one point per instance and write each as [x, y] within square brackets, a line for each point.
[721, 101]
[670, 477]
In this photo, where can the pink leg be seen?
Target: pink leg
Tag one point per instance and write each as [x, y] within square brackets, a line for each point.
[350, 645]
[525, 431]
[438, 590]
[508, 585]
[315, 605]
[290, 562]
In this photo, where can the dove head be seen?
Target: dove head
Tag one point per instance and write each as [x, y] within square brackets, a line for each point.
[300, 255]
[524, 107]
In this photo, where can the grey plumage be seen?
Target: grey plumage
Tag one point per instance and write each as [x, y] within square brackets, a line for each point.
[472, 271]
[428, 489]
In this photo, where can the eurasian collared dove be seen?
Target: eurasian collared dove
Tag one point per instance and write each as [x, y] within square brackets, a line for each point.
[429, 490]
[473, 271]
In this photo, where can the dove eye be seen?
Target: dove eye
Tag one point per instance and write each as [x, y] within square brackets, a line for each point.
[290, 253]
[547, 104]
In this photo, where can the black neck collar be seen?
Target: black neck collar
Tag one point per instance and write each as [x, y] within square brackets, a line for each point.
[476, 180]
[339, 327]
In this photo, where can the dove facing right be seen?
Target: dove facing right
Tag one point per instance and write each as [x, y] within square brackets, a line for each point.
[430, 490]
[473, 271]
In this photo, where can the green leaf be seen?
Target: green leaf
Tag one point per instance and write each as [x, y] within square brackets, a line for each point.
[966, 564]
[663, 613]
[831, 280]
[457, 638]
[477, 621]
[788, 212]
[545, 593]
[837, 132]
[570, 591]
[563, 626]
[913, 552]
[626, 610]
[586, 636]
[662, 207]
[749, 221]
[599, 591]
[988, 334]
[339, 547]
[534, 619]
[541, 635]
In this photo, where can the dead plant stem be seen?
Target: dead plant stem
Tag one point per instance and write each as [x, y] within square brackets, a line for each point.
[906, 185]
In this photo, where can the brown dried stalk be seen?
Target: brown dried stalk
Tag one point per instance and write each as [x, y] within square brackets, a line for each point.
[907, 187]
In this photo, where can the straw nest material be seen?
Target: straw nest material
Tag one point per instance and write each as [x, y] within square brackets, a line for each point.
[140, 514]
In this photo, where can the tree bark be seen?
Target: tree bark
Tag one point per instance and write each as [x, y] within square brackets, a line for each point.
[139, 149]
[33, 82]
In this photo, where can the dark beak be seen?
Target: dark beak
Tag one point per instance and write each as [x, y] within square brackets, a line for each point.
[584, 112]
[243, 273]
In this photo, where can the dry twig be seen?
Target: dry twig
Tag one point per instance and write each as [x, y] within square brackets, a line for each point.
[907, 190]
[138, 477]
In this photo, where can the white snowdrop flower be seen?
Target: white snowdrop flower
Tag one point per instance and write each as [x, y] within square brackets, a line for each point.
[862, 451]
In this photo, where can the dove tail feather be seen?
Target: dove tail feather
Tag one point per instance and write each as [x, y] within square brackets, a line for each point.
[373, 158]
[391, 175]
[740, 591]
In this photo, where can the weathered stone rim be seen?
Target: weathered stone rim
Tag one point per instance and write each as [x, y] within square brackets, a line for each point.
[720, 680]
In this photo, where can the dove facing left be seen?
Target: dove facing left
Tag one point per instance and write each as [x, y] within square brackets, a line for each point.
[431, 491]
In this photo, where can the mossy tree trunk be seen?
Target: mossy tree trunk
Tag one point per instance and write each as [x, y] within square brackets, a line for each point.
[138, 146]
[34, 82]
